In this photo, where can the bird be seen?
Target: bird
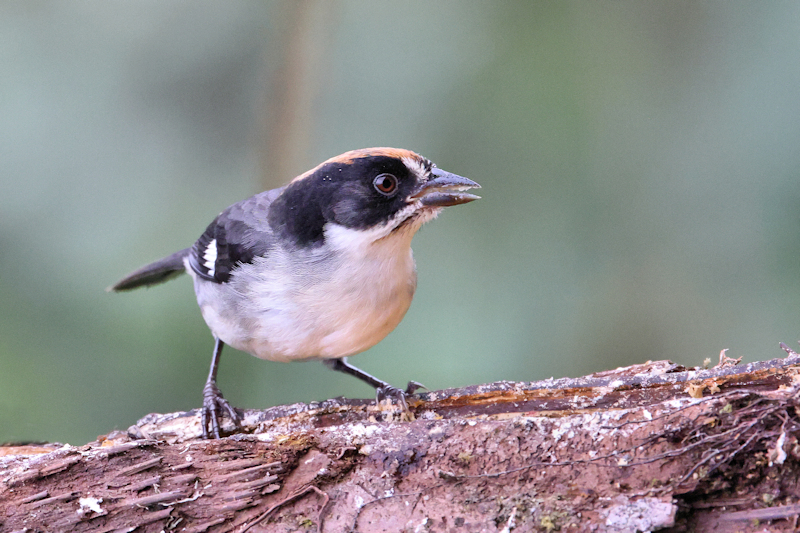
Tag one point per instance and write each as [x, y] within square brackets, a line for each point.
[321, 268]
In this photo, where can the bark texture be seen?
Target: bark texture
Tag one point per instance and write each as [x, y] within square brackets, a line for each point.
[642, 448]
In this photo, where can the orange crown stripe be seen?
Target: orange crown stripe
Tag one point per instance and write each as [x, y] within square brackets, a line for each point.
[347, 158]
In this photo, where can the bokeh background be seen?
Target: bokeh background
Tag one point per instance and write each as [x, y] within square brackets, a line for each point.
[640, 165]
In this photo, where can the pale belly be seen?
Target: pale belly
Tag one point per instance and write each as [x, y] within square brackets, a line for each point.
[343, 313]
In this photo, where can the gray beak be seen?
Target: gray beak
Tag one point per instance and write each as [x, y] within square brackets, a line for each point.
[445, 189]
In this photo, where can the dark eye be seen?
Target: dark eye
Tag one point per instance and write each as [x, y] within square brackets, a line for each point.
[386, 184]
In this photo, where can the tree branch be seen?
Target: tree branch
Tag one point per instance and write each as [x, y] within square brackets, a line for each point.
[638, 448]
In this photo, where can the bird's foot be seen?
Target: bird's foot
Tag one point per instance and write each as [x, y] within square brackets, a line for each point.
[398, 396]
[215, 407]
[414, 386]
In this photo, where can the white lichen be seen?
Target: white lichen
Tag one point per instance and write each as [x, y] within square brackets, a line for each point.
[90, 504]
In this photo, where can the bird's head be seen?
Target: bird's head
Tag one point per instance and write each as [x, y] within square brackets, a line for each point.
[369, 194]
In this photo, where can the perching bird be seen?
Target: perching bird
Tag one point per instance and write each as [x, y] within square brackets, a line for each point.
[321, 268]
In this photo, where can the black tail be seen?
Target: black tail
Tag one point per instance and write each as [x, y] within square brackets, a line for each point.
[154, 273]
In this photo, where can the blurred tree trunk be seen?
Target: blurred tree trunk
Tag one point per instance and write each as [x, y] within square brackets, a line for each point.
[298, 74]
[641, 448]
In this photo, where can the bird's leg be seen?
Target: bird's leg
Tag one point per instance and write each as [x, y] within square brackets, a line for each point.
[214, 405]
[382, 389]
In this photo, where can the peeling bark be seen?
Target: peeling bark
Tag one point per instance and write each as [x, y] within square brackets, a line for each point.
[641, 448]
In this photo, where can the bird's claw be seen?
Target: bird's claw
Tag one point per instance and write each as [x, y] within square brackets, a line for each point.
[414, 386]
[214, 407]
[387, 392]
[393, 394]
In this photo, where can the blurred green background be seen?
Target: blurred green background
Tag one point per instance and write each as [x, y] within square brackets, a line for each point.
[640, 165]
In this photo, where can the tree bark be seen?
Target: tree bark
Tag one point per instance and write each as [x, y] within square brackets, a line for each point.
[641, 448]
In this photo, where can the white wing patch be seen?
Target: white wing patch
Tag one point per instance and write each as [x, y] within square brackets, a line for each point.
[210, 257]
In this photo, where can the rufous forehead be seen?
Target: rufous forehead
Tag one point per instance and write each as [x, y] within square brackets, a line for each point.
[397, 153]
[347, 158]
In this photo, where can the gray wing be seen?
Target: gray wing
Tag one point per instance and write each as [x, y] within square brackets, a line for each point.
[238, 235]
